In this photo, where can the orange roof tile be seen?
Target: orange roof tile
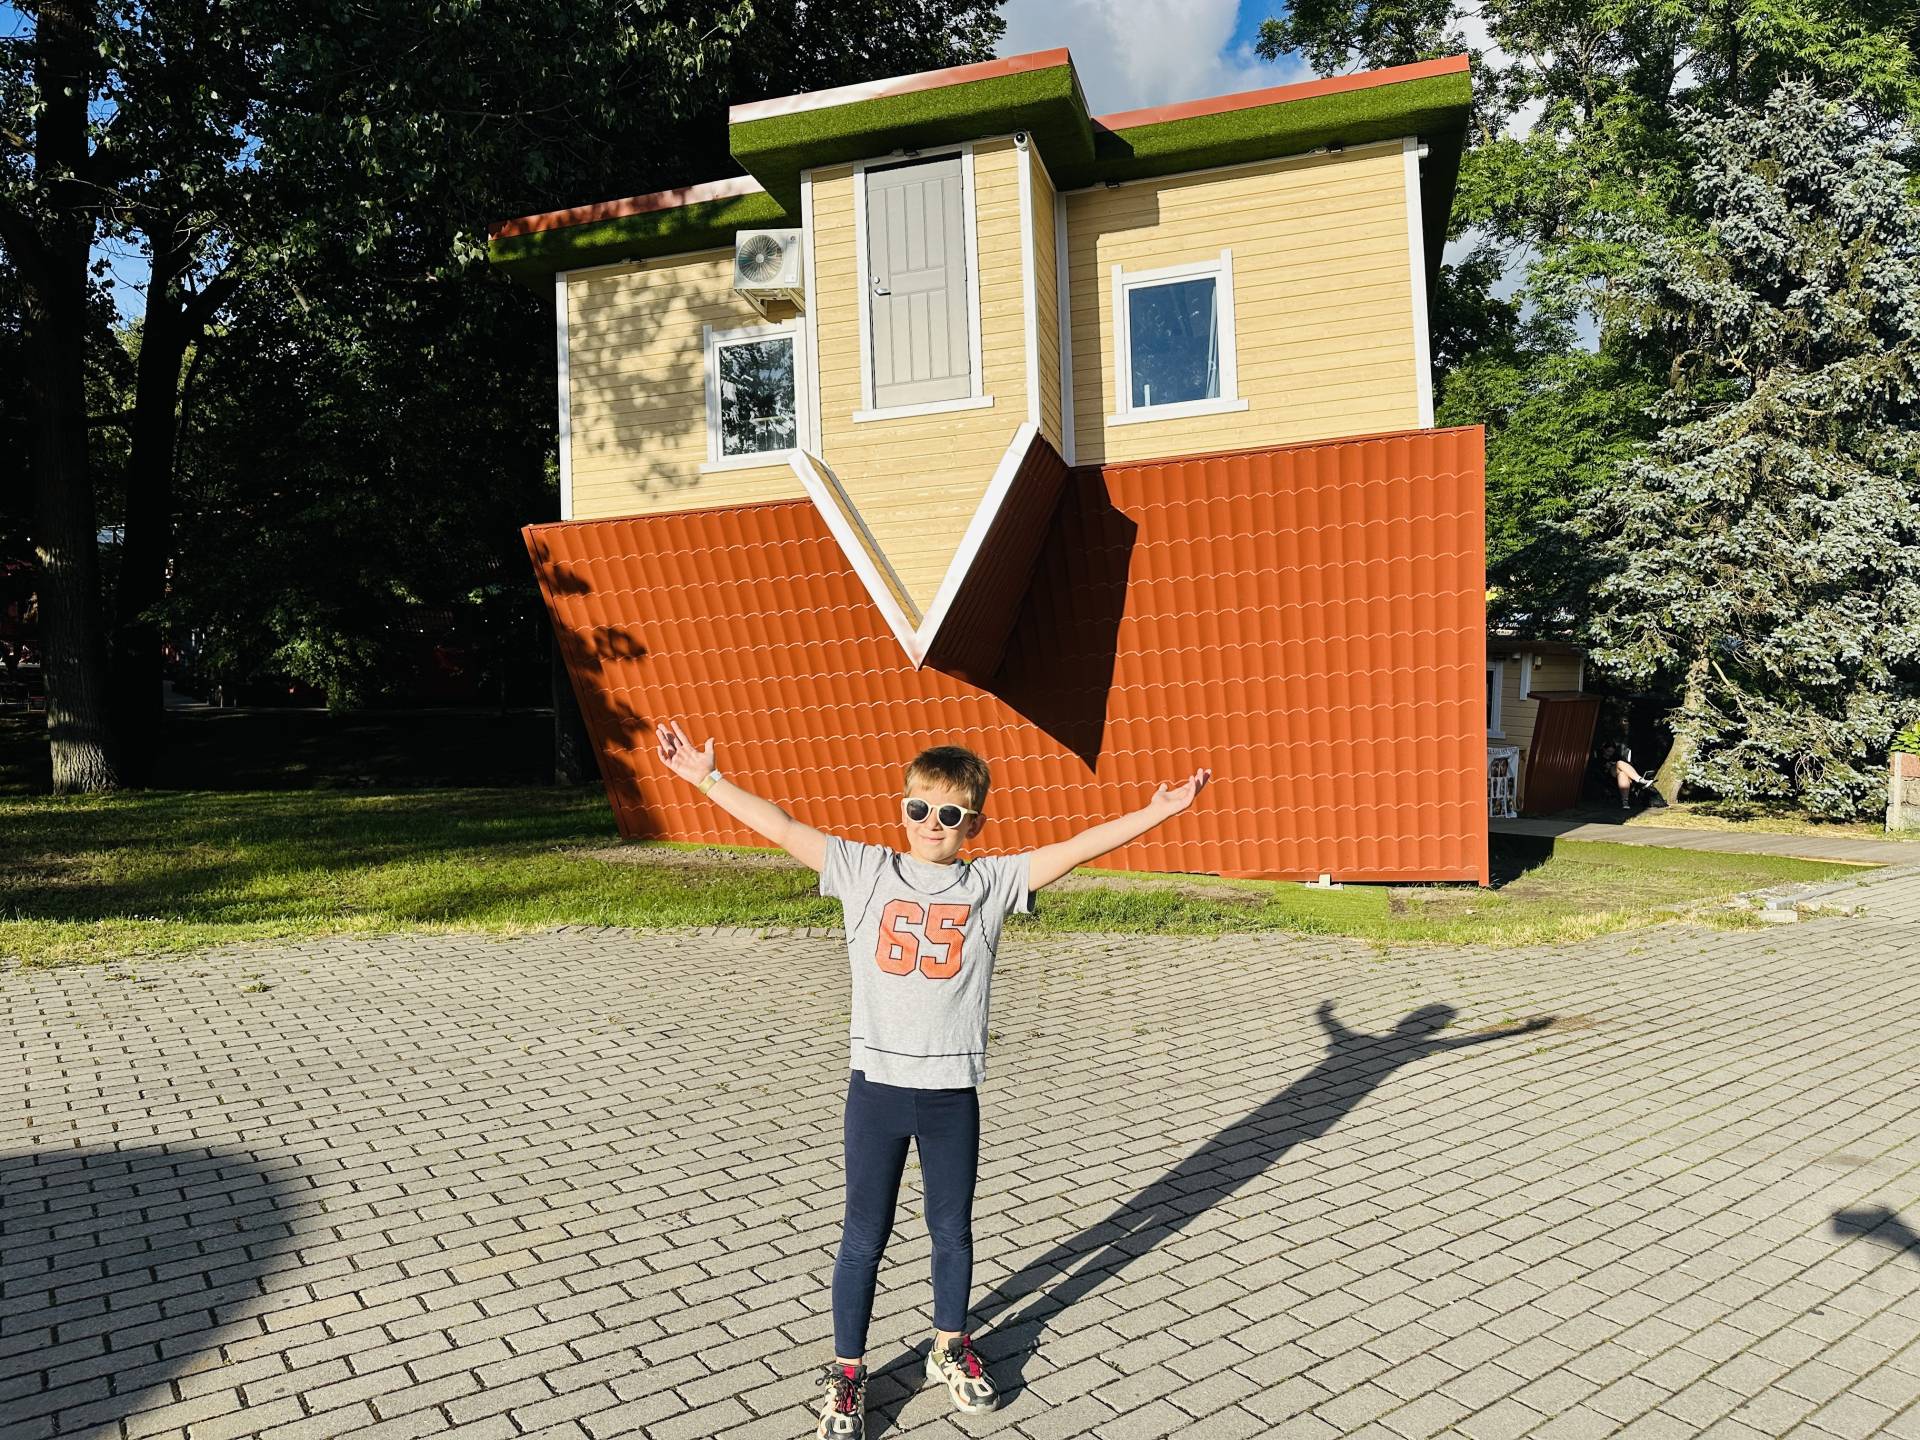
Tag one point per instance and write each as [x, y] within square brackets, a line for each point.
[1308, 620]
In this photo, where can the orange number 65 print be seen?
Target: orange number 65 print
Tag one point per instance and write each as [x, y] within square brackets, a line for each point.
[946, 928]
[897, 949]
[897, 952]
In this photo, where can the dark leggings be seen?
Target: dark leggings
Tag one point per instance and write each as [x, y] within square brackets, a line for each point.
[945, 1125]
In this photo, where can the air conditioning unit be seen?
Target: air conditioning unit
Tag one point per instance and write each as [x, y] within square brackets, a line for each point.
[766, 266]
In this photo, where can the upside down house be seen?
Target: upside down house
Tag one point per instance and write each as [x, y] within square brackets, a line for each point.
[1102, 445]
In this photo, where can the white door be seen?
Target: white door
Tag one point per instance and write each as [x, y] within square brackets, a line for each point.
[917, 276]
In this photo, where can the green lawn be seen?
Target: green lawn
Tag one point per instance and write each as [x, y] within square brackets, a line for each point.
[103, 877]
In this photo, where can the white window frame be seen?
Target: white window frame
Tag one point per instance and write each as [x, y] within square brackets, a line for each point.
[566, 393]
[976, 397]
[1124, 283]
[1496, 673]
[1413, 152]
[711, 342]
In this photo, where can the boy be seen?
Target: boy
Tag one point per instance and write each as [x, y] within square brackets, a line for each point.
[922, 929]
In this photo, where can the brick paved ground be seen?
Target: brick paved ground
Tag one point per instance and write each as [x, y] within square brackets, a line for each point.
[1608, 830]
[585, 1185]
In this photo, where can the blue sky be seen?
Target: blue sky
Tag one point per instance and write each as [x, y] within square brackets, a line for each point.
[1133, 53]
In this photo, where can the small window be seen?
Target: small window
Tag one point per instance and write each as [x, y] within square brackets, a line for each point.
[1175, 352]
[753, 394]
[1495, 670]
[1173, 342]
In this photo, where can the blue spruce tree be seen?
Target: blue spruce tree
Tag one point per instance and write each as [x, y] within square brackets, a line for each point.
[1762, 557]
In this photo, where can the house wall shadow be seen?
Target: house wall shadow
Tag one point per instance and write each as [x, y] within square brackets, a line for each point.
[636, 369]
[129, 1266]
[1058, 670]
[1113, 222]
[1016, 1313]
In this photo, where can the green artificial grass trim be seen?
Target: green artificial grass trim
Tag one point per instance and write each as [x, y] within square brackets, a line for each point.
[1045, 103]
[703, 225]
[1428, 105]
[1434, 106]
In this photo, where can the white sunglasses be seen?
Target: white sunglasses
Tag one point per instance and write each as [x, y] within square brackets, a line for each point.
[949, 816]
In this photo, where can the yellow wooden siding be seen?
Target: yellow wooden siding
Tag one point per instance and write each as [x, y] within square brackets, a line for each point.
[1517, 717]
[637, 382]
[1322, 297]
[917, 481]
[1046, 301]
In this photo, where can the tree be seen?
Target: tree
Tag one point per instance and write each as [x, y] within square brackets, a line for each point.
[46, 225]
[238, 147]
[1765, 550]
[169, 124]
[356, 458]
[1579, 159]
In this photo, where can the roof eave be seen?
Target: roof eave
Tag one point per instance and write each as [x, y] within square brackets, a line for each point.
[703, 225]
[1429, 100]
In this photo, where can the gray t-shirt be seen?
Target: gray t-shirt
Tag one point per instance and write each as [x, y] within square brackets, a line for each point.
[921, 940]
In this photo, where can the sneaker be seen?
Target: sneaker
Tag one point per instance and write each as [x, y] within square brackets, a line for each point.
[959, 1368]
[843, 1410]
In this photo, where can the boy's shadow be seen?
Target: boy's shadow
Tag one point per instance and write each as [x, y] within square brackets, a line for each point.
[1354, 1064]
[1880, 1225]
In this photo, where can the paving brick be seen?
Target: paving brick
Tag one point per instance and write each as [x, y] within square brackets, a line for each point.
[249, 1421]
[551, 1178]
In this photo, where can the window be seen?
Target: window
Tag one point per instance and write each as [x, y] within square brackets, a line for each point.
[1495, 669]
[753, 394]
[1175, 346]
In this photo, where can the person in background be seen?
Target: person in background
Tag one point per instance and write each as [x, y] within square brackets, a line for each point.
[1616, 763]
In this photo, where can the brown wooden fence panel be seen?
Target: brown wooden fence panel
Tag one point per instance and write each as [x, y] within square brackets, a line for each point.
[1562, 742]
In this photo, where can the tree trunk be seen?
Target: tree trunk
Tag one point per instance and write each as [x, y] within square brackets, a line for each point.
[137, 702]
[65, 542]
[572, 746]
[53, 267]
[1674, 770]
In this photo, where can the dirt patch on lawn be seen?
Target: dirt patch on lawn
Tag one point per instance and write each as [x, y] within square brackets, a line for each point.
[710, 857]
[1196, 887]
[689, 857]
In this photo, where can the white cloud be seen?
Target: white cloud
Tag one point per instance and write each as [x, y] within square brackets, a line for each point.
[1135, 53]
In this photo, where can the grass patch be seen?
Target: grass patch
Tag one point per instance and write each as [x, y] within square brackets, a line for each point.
[1762, 820]
[104, 877]
[1544, 892]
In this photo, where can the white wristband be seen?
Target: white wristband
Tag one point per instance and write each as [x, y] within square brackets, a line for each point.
[713, 778]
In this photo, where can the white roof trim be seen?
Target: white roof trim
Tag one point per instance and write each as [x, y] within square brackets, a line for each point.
[869, 562]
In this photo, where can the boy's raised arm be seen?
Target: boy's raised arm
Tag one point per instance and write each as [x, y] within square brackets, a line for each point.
[1050, 862]
[695, 766]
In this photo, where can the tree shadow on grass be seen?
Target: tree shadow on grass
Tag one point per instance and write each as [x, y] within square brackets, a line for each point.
[122, 1271]
[1356, 1063]
[196, 855]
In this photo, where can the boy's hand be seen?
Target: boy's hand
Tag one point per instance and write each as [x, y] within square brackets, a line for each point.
[680, 756]
[1050, 862]
[763, 817]
[1171, 801]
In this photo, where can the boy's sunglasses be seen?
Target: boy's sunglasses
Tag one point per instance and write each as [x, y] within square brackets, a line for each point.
[948, 815]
